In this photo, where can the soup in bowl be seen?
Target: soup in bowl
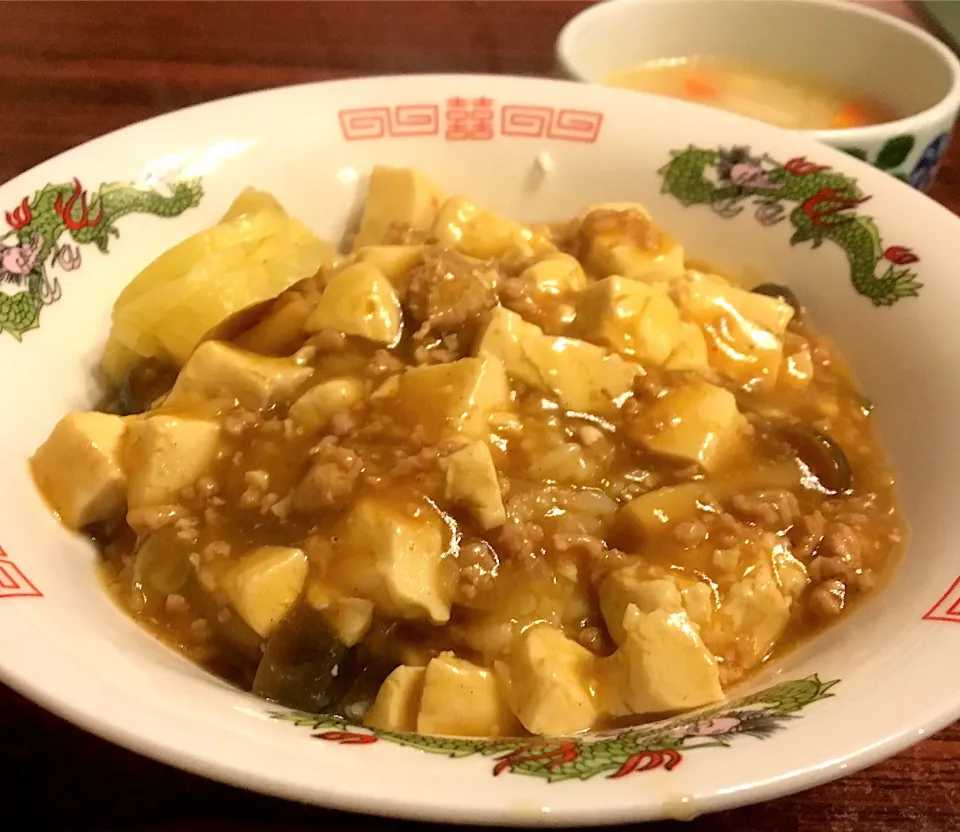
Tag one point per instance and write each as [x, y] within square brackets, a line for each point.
[857, 79]
[546, 501]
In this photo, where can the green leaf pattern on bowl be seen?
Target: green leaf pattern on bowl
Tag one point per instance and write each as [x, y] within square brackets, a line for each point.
[891, 156]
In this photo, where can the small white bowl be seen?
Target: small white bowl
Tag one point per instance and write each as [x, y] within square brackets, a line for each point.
[877, 276]
[845, 43]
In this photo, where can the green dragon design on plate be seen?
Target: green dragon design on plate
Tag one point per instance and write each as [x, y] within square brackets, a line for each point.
[820, 203]
[616, 753]
[38, 251]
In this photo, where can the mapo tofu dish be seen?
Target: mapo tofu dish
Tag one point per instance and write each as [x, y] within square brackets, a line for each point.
[472, 477]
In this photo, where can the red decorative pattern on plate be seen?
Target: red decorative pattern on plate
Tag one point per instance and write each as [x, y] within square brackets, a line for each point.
[948, 607]
[396, 122]
[470, 119]
[13, 583]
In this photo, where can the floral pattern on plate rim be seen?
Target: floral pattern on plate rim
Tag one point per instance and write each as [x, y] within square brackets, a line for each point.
[29, 263]
[820, 203]
[615, 753]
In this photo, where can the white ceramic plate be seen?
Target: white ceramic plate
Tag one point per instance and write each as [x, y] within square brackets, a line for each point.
[873, 260]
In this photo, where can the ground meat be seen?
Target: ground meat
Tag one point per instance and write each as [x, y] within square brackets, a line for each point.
[218, 548]
[774, 509]
[648, 384]
[424, 460]
[691, 532]
[343, 423]
[151, 518]
[827, 599]
[448, 291]
[250, 498]
[478, 564]
[728, 531]
[841, 541]
[810, 530]
[329, 481]
[840, 554]
[384, 364]
[239, 421]
[589, 545]
[440, 350]
[520, 538]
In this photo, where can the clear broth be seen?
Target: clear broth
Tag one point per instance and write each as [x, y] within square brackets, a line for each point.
[780, 99]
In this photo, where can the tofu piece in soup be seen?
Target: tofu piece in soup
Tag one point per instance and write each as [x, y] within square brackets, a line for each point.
[448, 400]
[461, 699]
[359, 301]
[79, 468]
[397, 705]
[264, 585]
[393, 554]
[471, 478]
[399, 197]
[696, 422]
[163, 454]
[220, 371]
[550, 682]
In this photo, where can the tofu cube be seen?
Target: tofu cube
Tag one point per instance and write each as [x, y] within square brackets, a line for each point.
[463, 700]
[662, 666]
[315, 408]
[396, 558]
[471, 479]
[697, 422]
[478, 232]
[621, 239]
[394, 261]
[349, 618]
[558, 274]
[448, 400]
[164, 454]
[649, 515]
[398, 700]
[626, 587]
[753, 614]
[265, 584]
[503, 336]
[78, 469]
[360, 301]
[689, 351]
[743, 330]
[220, 371]
[396, 196]
[550, 682]
[650, 589]
[583, 377]
[629, 317]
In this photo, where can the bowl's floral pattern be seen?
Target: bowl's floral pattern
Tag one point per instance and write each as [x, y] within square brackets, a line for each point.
[615, 753]
[921, 177]
[820, 203]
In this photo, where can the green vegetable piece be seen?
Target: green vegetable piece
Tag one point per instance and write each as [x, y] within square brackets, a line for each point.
[303, 663]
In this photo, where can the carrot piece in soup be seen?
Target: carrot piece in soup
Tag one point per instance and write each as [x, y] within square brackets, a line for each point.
[696, 85]
[851, 115]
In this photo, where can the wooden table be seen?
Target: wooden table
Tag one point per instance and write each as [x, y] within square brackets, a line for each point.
[69, 72]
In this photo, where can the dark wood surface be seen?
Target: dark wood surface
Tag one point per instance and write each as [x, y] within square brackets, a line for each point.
[70, 72]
